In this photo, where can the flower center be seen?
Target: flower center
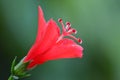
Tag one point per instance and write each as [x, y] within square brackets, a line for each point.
[67, 30]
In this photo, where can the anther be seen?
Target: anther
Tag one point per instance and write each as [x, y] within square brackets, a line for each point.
[79, 40]
[68, 23]
[60, 20]
[74, 31]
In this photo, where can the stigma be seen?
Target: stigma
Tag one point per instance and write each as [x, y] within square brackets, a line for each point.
[68, 31]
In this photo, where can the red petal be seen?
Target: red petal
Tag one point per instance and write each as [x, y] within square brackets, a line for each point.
[51, 36]
[41, 25]
[66, 48]
[49, 39]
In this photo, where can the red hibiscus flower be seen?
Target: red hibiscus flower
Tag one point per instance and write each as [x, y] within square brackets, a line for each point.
[50, 44]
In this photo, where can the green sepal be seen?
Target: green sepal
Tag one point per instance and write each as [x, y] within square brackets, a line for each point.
[20, 70]
[13, 65]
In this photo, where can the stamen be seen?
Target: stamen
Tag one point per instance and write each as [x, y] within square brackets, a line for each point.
[68, 31]
[68, 26]
[74, 31]
[71, 31]
[60, 38]
[77, 39]
[61, 22]
[68, 23]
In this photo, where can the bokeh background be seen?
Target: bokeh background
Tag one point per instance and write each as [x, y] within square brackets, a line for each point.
[97, 22]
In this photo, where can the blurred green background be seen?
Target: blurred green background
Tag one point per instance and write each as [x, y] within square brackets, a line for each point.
[97, 22]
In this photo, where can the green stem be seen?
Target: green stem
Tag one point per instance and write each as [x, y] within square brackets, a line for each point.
[11, 78]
